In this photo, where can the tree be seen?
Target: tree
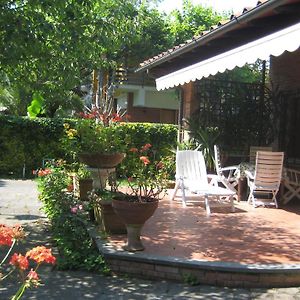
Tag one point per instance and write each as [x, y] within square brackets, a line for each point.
[50, 45]
[191, 21]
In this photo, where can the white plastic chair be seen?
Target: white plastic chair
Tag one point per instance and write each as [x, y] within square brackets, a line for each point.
[265, 183]
[225, 174]
[191, 176]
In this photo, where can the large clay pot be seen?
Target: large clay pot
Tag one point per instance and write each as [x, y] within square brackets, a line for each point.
[85, 186]
[101, 160]
[108, 220]
[134, 215]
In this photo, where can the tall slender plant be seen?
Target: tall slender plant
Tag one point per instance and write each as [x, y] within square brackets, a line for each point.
[205, 138]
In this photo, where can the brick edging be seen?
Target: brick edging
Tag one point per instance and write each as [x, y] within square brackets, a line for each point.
[196, 271]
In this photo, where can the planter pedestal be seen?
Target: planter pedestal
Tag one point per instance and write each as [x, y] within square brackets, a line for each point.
[100, 176]
[134, 238]
[134, 215]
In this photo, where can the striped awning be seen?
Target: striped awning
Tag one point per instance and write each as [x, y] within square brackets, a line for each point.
[274, 44]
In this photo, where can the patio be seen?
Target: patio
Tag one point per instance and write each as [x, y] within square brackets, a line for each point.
[260, 243]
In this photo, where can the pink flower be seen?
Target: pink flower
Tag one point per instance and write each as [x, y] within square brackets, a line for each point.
[74, 210]
[145, 160]
[33, 275]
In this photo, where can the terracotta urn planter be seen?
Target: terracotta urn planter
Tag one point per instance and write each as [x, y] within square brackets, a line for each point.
[101, 160]
[134, 215]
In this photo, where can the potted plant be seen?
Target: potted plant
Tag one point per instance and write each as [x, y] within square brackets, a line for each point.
[85, 182]
[100, 146]
[146, 185]
[105, 216]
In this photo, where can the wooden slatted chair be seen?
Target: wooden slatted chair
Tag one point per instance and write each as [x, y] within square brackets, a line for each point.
[191, 176]
[265, 183]
[254, 149]
[225, 174]
[291, 185]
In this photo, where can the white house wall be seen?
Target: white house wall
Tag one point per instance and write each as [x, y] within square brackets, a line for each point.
[167, 100]
[148, 97]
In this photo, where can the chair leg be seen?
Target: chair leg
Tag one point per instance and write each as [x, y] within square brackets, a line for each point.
[175, 190]
[207, 205]
[183, 194]
[274, 198]
[232, 204]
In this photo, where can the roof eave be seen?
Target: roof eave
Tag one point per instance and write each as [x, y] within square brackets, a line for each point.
[258, 10]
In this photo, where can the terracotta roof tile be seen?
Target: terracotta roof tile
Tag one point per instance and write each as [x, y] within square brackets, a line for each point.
[201, 34]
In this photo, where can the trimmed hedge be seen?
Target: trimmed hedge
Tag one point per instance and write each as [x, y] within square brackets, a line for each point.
[26, 142]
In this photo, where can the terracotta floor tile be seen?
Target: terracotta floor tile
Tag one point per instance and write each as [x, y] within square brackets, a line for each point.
[261, 235]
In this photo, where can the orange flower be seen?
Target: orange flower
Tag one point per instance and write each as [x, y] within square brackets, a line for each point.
[44, 172]
[19, 261]
[41, 254]
[145, 160]
[133, 150]
[146, 147]
[7, 234]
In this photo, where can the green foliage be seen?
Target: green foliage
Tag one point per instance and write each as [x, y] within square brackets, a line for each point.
[73, 36]
[152, 35]
[29, 141]
[36, 106]
[76, 248]
[204, 138]
[191, 21]
[190, 279]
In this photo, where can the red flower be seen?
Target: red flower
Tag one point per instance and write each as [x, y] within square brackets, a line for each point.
[130, 179]
[19, 261]
[45, 172]
[145, 160]
[41, 254]
[146, 147]
[6, 235]
[133, 150]
[116, 118]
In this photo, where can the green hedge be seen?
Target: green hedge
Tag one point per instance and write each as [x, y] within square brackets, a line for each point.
[25, 141]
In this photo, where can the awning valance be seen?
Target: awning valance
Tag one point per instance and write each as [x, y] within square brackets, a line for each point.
[275, 44]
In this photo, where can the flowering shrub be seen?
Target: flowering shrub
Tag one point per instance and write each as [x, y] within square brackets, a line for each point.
[91, 137]
[106, 118]
[68, 215]
[148, 178]
[39, 254]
